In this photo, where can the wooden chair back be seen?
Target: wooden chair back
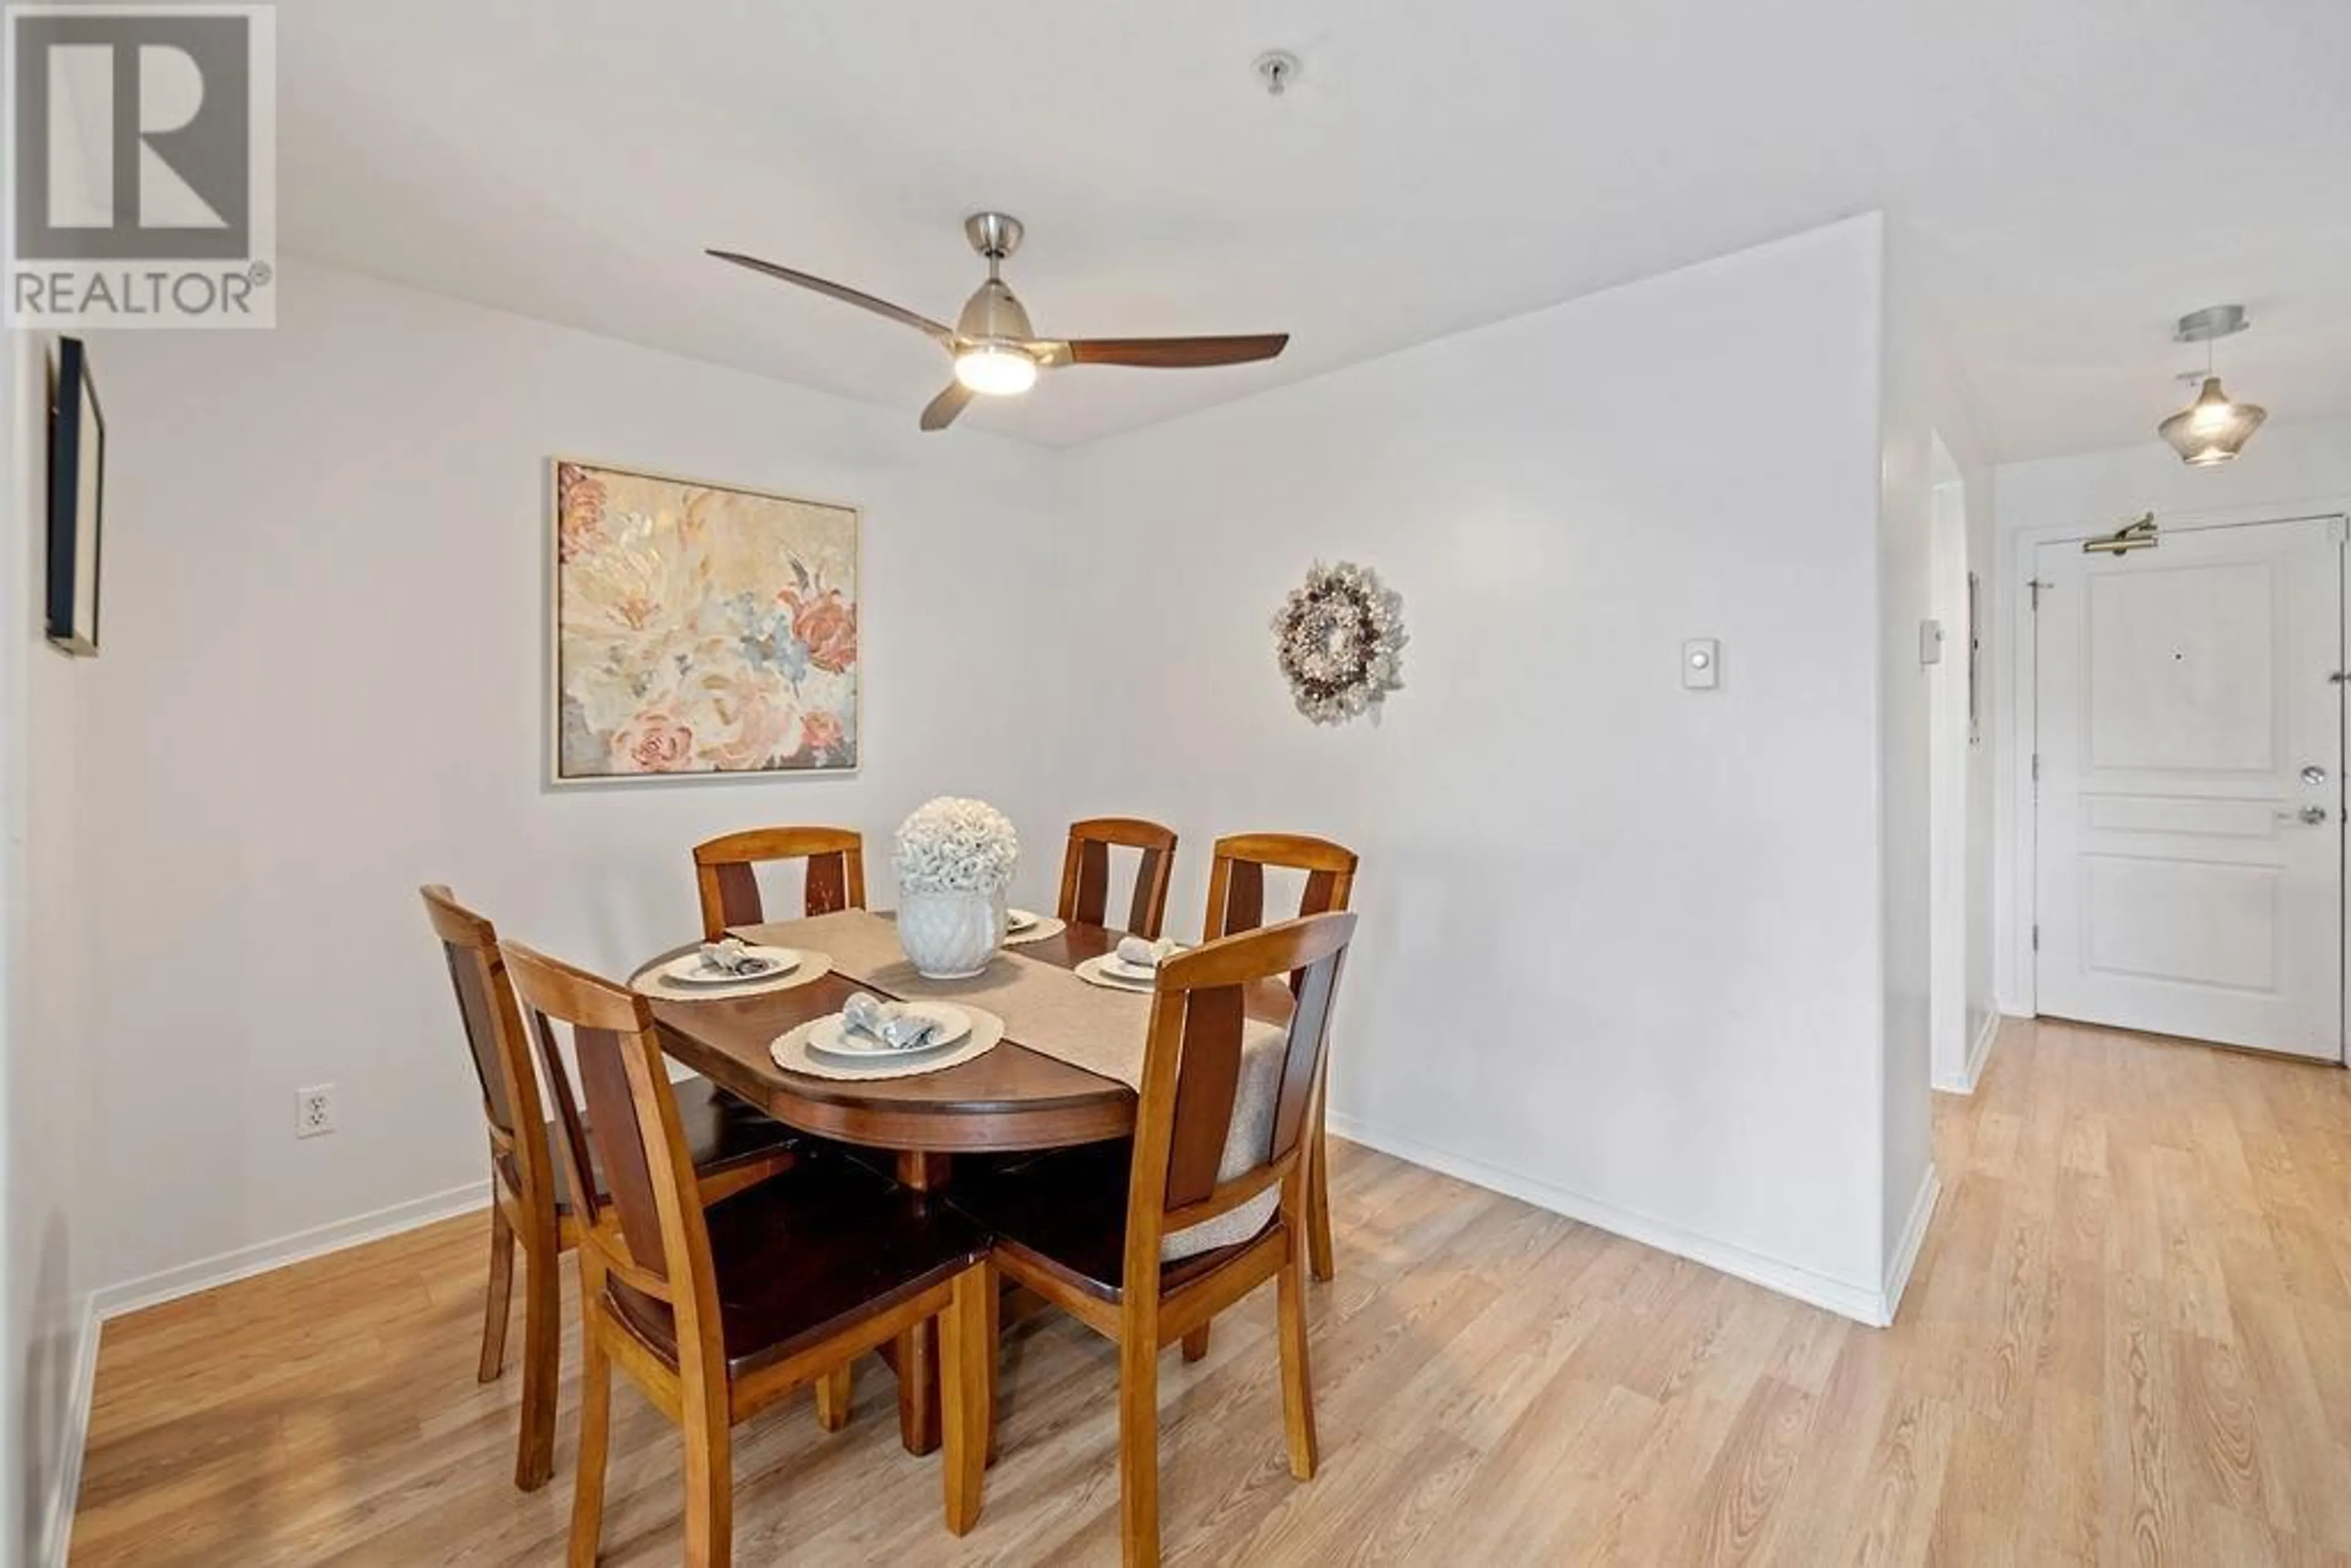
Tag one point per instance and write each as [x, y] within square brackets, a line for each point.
[495, 1038]
[1237, 878]
[1237, 903]
[1191, 1074]
[1085, 872]
[725, 876]
[651, 1247]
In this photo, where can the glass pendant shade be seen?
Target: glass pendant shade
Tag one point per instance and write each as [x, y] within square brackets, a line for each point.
[2212, 429]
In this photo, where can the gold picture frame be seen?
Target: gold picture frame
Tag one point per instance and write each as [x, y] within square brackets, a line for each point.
[698, 630]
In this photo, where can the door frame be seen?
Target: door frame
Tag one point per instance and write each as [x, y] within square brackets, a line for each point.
[1955, 602]
[2025, 727]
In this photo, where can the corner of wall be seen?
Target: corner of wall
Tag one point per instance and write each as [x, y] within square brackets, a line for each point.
[51, 1527]
[1907, 1245]
[1985, 1029]
[1902, 546]
[1864, 1303]
[51, 1336]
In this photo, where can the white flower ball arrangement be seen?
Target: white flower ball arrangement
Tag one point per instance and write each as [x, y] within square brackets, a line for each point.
[954, 845]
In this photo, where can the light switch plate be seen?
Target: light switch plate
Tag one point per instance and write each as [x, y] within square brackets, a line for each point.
[1931, 642]
[1701, 663]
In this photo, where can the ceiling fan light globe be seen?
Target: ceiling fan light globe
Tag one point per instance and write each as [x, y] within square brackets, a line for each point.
[996, 370]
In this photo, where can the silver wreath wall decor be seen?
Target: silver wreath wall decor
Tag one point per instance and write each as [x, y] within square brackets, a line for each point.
[1340, 641]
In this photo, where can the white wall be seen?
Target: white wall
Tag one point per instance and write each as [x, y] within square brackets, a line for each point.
[46, 1073]
[1621, 951]
[2293, 468]
[17, 1260]
[1904, 597]
[1659, 911]
[323, 685]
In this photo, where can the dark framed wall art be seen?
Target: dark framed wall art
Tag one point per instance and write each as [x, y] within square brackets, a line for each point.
[77, 498]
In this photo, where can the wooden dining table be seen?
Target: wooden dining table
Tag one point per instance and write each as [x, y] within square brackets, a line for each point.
[1009, 1099]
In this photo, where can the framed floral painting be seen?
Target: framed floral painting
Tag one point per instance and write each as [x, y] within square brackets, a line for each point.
[700, 629]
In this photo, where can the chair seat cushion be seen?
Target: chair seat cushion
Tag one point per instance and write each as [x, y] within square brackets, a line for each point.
[1066, 1212]
[722, 1132]
[1249, 1140]
[808, 1252]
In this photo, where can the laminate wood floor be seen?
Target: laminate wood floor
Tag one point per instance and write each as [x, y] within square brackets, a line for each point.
[2128, 1339]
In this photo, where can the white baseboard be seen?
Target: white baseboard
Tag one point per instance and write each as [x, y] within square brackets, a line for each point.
[1979, 1052]
[1913, 1234]
[56, 1536]
[1863, 1304]
[225, 1268]
[114, 1301]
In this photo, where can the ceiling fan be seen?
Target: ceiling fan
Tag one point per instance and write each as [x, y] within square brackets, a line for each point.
[997, 353]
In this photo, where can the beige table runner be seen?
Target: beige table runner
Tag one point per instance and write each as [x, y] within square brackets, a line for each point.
[1044, 1007]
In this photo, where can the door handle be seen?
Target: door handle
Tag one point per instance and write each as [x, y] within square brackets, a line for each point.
[2315, 815]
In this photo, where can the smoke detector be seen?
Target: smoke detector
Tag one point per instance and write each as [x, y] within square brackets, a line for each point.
[1277, 69]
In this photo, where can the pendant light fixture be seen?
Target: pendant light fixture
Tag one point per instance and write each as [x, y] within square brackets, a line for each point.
[2214, 428]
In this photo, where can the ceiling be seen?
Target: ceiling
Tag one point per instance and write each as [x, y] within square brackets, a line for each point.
[2082, 171]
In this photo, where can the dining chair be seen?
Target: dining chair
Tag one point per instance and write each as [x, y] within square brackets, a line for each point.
[731, 1146]
[716, 1313]
[724, 872]
[1085, 872]
[1218, 1128]
[1237, 903]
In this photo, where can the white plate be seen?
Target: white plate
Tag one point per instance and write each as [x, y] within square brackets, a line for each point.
[1098, 972]
[688, 969]
[1019, 920]
[1118, 969]
[832, 1036]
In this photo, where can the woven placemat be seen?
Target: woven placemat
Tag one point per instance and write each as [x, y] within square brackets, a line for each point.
[1092, 973]
[792, 1054]
[649, 981]
[1047, 925]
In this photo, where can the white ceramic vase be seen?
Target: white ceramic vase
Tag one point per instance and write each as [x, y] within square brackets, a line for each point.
[950, 935]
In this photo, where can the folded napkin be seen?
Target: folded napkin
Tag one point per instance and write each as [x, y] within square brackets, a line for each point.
[888, 1022]
[730, 956]
[1145, 954]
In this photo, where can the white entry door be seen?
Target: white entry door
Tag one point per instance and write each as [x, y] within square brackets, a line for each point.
[2190, 796]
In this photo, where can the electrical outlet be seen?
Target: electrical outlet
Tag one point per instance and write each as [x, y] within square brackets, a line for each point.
[314, 1110]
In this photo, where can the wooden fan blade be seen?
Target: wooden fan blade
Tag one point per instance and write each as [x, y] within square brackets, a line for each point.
[942, 410]
[1171, 354]
[845, 294]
